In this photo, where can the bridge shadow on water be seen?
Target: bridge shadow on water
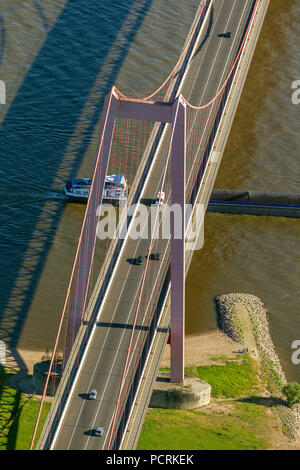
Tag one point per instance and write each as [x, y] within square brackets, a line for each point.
[36, 134]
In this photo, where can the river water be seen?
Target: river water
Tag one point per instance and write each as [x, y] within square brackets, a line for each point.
[58, 60]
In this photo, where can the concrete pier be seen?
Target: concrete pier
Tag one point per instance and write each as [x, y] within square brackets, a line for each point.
[228, 201]
[195, 393]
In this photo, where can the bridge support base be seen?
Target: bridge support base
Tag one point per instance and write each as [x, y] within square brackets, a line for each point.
[194, 394]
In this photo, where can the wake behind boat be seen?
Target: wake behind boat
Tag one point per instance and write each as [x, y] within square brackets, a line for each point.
[115, 189]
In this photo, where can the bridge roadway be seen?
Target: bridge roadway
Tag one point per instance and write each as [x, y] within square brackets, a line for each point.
[104, 362]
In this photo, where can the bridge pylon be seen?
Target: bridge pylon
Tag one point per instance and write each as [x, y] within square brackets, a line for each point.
[178, 173]
[175, 114]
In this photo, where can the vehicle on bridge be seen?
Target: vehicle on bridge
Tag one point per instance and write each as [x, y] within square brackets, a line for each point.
[93, 394]
[155, 256]
[160, 198]
[99, 431]
[225, 35]
[115, 189]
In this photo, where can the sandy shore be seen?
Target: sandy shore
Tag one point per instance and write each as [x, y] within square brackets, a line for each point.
[200, 348]
[21, 362]
[198, 351]
[245, 318]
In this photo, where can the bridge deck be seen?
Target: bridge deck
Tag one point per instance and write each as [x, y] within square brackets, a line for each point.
[143, 396]
[104, 362]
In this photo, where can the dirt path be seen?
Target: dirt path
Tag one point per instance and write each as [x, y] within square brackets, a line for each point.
[247, 328]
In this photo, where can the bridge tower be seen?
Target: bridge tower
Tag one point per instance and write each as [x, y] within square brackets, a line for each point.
[178, 172]
[174, 114]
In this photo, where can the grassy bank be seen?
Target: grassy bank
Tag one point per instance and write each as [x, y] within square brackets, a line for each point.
[192, 430]
[231, 378]
[239, 416]
[18, 413]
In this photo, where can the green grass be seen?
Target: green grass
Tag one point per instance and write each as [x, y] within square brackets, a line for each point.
[239, 424]
[17, 416]
[188, 430]
[224, 358]
[232, 378]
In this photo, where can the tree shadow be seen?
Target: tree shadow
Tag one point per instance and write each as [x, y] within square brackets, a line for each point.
[14, 422]
[263, 401]
[11, 406]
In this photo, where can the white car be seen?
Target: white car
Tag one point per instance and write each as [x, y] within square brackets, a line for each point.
[160, 198]
[99, 431]
[93, 394]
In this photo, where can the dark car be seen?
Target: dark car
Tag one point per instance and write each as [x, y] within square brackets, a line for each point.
[225, 35]
[139, 260]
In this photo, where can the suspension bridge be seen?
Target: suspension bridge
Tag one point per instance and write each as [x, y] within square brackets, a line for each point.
[118, 315]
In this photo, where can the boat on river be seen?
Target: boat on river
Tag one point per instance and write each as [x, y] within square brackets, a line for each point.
[115, 189]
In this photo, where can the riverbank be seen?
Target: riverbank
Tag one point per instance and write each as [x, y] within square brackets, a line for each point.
[241, 415]
[18, 414]
[200, 349]
[244, 318]
[247, 410]
[19, 364]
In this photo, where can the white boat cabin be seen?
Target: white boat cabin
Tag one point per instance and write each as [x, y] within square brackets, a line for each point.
[115, 188]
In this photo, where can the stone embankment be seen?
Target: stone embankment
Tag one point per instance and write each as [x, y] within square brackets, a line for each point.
[235, 313]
